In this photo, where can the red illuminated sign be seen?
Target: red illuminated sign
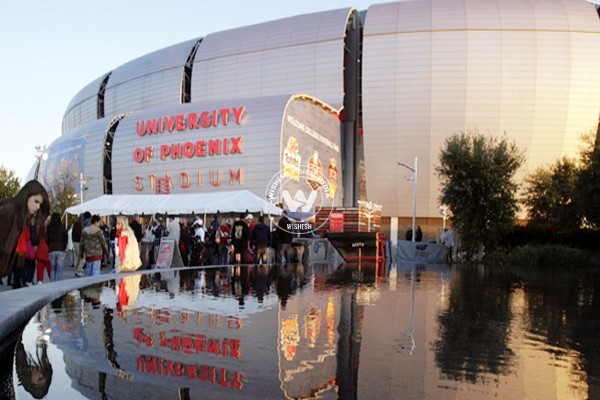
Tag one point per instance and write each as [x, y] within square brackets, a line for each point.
[190, 149]
[182, 122]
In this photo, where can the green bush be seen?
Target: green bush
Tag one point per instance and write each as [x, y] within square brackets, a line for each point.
[548, 256]
[585, 239]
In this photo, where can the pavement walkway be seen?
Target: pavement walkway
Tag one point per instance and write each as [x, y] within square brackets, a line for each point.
[17, 306]
[68, 273]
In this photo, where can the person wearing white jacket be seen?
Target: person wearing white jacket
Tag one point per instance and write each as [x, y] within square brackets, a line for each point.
[127, 248]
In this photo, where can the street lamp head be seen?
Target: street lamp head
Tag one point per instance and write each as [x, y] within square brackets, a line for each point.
[410, 167]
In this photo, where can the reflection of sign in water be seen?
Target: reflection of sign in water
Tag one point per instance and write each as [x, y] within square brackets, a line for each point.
[165, 254]
[306, 346]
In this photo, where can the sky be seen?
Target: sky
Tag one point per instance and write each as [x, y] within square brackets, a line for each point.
[52, 49]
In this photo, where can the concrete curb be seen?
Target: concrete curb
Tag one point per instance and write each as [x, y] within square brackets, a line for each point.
[19, 305]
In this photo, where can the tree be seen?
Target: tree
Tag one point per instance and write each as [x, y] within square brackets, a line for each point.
[61, 191]
[588, 183]
[9, 184]
[549, 195]
[476, 174]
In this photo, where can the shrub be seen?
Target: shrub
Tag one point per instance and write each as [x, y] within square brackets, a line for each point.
[547, 256]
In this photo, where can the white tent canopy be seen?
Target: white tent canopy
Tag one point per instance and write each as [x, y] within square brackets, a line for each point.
[177, 204]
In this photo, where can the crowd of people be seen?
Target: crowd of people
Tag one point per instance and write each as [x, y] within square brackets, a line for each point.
[35, 243]
[226, 240]
[35, 240]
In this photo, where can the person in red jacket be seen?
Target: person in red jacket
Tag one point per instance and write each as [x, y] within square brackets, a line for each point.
[42, 257]
[15, 215]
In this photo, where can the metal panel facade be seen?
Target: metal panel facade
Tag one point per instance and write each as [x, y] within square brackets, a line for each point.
[432, 68]
[297, 54]
[149, 81]
[84, 106]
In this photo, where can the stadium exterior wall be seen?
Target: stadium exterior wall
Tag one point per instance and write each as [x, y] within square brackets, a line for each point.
[429, 68]
[434, 68]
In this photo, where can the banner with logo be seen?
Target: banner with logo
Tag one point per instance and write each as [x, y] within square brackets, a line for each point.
[421, 252]
[310, 178]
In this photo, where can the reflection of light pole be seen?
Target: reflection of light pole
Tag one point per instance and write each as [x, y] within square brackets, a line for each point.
[413, 178]
[82, 182]
[41, 156]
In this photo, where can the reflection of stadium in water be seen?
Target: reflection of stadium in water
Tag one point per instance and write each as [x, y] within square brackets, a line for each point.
[318, 332]
[236, 332]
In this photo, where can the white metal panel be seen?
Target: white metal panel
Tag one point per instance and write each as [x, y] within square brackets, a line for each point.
[151, 80]
[297, 54]
[83, 108]
[512, 66]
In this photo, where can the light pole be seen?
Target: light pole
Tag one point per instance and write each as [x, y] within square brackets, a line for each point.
[82, 182]
[413, 178]
[41, 156]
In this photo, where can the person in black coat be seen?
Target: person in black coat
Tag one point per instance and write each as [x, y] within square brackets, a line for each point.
[57, 239]
[240, 235]
[260, 239]
[136, 227]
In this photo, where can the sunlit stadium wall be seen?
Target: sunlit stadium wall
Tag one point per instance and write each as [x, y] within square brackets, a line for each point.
[432, 68]
[257, 67]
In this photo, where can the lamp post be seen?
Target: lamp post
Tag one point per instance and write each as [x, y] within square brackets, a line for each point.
[41, 156]
[413, 178]
[82, 182]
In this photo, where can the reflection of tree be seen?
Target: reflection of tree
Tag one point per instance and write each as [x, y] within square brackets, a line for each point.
[474, 329]
[564, 312]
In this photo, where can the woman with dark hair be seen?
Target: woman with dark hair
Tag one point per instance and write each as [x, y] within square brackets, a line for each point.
[30, 205]
[35, 373]
[57, 238]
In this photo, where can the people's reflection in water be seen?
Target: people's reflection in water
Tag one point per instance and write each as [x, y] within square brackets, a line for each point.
[239, 283]
[91, 294]
[210, 281]
[35, 373]
[283, 283]
[109, 345]
[187, 280]
[127, 291]
[260, 282]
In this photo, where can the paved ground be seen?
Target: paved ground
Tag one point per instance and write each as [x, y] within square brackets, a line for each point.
[19, 305]
[68, 273]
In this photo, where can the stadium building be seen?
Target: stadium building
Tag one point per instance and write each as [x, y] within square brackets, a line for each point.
[347, 93]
